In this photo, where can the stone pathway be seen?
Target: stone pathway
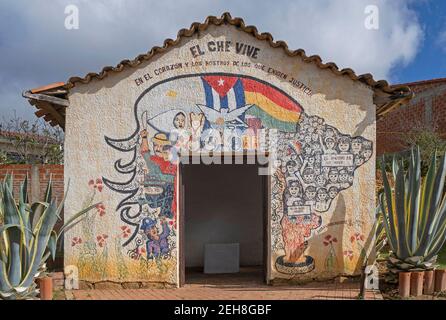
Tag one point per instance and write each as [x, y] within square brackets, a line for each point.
[246, 285]
[318, 291]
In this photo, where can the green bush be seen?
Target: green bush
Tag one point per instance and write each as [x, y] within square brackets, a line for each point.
[27, 238]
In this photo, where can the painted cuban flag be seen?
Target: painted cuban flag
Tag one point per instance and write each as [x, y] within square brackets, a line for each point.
[272, 106]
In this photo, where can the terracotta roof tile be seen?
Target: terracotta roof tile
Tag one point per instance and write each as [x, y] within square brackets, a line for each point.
[386, 96]
[240, 24]
[48, 87]
[424, 82]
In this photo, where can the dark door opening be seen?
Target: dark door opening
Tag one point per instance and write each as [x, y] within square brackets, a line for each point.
[222, 204]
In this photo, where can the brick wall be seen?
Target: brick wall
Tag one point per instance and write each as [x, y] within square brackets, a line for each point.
[56, 174]
[38, 177]
[427, 109]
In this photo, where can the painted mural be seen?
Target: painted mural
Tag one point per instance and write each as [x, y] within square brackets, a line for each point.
[204, 112]
[317, 162]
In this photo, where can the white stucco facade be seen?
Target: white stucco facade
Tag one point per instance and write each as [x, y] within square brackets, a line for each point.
[134, 235]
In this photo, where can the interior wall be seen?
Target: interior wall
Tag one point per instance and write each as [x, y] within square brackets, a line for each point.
[223, 204]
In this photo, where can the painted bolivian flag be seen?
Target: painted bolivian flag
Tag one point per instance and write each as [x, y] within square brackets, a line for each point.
[273, 107]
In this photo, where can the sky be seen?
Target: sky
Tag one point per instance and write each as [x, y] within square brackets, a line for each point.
[408, 43]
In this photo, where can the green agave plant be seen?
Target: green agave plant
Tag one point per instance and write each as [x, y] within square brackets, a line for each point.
[27, 238]
[380, 233]
[414, 212]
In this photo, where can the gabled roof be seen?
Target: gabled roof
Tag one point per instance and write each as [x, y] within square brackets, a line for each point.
[425, 82]
[386, 97]
[425, 85]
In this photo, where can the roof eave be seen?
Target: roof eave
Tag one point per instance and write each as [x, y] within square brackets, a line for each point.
[386, 97]
[49, 107]
[387, 104]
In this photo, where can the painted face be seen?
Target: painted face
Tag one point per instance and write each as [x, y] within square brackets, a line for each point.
[153, 233]
[333, 176]
[308, 150]
[179, 121]
[322, 195]
[158, 149]
[330, 144]
[356, 146]
[167, 153]
[332, 193]
[343, 177]
[307, 139]
[294, 191]
[367, 153]
[320, 181]
[308, 176]
[344, 146]
[291, 168]
[311, 160]
[359, 161]
[310, 193]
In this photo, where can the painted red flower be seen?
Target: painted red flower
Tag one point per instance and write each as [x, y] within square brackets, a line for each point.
[101, 239]
[100, 209]
[329, 240]
[98, 184]
[75, 241]
[126, 231]
[138, 253]
[357, 236]
[348, 254]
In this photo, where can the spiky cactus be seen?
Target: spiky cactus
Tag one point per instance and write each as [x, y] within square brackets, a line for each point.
[414, 213]
[27, 238]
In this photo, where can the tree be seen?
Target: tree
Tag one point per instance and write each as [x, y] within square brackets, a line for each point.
[427, 138]
[30, 142]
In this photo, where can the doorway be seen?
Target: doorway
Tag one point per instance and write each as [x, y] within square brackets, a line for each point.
[223, 204]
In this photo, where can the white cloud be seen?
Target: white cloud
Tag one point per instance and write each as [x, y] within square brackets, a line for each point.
[36, 48]
[336, 32]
